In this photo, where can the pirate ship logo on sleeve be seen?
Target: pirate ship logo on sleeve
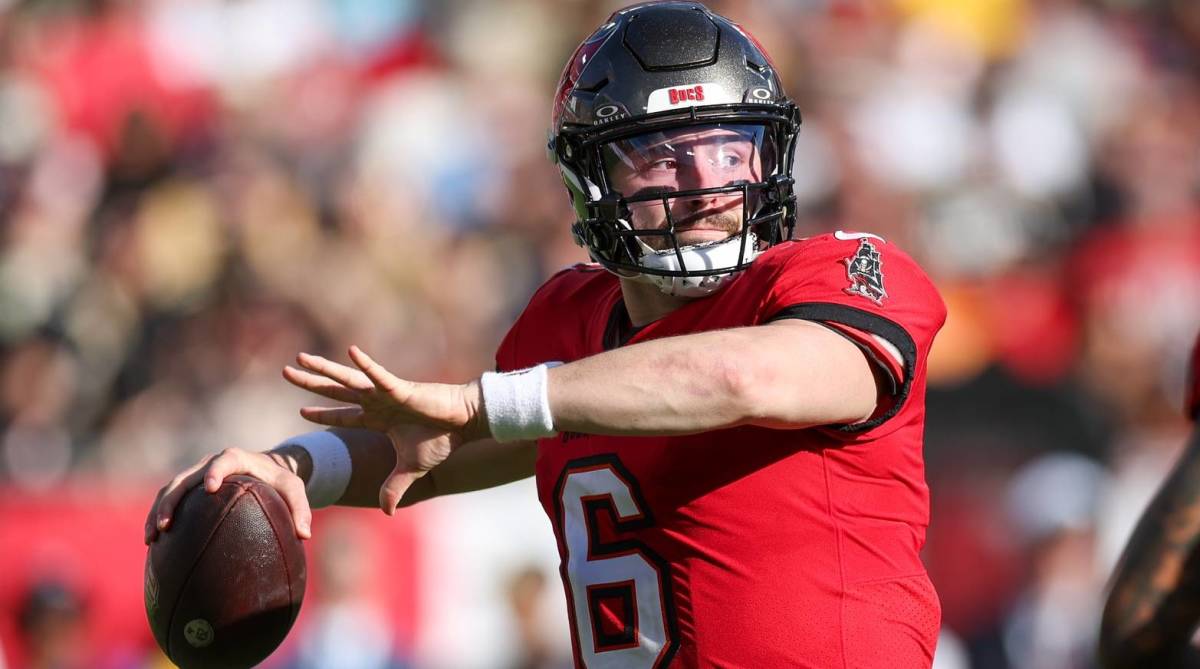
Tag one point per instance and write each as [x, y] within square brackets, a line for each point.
[865, 271]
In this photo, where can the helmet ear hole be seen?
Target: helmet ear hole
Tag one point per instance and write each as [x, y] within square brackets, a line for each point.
[601, 238]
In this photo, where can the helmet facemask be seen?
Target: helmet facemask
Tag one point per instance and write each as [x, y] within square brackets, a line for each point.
[685, 207]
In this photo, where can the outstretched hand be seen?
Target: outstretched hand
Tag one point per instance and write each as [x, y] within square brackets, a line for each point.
[423, 421]
[383, 400]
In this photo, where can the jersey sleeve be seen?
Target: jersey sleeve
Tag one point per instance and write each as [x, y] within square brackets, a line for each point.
[525, 336]
[508, 352]
[1193, 387]
[872, 293]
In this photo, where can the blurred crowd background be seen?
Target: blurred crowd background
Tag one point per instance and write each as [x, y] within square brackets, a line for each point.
[192, 191]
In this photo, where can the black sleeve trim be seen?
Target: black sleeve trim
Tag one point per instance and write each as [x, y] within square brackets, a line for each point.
[868, 322]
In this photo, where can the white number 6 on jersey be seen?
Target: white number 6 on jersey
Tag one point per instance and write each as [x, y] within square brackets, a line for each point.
[619, 590]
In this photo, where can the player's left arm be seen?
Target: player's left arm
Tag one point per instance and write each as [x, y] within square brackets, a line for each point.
[785, 374]
[1153, 608]
[846, 324]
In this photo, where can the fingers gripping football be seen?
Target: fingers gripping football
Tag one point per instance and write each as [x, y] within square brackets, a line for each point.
[270, 469]
[159, 517]
[213, 469]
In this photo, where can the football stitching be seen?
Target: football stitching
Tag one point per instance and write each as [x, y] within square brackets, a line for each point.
[286, 565]
[200, 554]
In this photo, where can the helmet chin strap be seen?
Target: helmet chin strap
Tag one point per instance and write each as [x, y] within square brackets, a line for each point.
[710, 255]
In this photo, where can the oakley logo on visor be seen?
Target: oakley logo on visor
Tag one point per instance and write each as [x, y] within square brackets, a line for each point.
[689, 95]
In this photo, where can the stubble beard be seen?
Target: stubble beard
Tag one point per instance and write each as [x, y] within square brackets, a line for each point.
[695, 231]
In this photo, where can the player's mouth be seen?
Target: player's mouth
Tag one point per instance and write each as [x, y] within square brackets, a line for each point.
[703, 227]
[711, 218]
[692, 236]
[710, 222]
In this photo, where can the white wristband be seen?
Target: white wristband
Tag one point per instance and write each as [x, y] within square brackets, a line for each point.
[330, 466]
[518, 404]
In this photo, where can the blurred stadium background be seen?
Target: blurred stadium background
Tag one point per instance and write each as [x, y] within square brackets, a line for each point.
[191, 191]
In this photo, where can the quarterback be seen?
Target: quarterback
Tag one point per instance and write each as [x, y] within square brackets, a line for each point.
[725, 423]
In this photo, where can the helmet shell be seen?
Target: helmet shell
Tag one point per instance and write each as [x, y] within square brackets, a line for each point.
[655, 47]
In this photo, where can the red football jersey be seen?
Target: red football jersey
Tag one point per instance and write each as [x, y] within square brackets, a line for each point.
[1193, 395]
[748, 547]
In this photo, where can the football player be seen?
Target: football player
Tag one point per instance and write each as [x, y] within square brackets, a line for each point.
[725, 424]
[1153, 609]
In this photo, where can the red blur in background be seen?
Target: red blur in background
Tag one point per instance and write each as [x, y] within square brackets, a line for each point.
[83, 542]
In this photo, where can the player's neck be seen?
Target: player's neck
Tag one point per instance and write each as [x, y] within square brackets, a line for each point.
[646, 303]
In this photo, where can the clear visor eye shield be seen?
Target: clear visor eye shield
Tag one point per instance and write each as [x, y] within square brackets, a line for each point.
[660, 184]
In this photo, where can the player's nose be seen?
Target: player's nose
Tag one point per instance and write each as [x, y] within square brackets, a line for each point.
[702, 173]
[699, 175]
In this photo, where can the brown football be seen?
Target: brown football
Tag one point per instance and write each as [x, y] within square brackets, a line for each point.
[224, 584]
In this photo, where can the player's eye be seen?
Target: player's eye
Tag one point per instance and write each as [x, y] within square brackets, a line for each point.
[728, 160]
[663, 165]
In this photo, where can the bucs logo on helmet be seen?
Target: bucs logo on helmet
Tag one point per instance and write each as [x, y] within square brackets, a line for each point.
[865, 271]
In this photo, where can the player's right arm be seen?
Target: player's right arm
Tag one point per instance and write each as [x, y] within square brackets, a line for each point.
[288, 467]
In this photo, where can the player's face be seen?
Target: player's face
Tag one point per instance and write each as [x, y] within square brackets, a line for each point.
[685, 159]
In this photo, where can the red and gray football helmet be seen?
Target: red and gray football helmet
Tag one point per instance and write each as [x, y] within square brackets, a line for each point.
[640, 91]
